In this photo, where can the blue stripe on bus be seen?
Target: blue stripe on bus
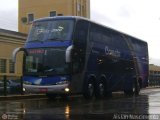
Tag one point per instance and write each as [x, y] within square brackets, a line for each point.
[45, 80]
[48, 44]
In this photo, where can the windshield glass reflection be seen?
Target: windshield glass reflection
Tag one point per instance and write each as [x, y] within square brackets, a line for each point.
[48, 61]
[55, 30]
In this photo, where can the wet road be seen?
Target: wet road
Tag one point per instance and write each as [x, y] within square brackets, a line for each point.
[146, 106]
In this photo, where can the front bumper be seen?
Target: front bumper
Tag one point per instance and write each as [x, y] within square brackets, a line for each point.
[58, 89]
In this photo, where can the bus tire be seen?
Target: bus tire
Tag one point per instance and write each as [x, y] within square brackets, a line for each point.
[89, 90]
[134, 90]
[100, 89]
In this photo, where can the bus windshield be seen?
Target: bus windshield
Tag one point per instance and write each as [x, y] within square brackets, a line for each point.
[46, 61]
[55, 30]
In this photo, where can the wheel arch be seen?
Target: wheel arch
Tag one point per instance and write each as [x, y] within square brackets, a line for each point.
[91, 77]
[103, 77]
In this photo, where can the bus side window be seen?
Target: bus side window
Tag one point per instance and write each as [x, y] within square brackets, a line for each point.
[81, 34]
[95, 33]
[80, 41]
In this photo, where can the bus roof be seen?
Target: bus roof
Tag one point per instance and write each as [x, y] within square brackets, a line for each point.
[61, 17]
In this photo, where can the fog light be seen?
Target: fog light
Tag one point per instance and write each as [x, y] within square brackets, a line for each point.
[66, 89]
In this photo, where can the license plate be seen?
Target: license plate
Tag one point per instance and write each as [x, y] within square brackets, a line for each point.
[43, 90]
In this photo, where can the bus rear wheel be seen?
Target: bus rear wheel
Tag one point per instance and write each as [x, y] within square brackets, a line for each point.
[100, 89]
[89, 90]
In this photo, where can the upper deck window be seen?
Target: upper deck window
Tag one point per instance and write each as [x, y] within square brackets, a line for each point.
[55, 30]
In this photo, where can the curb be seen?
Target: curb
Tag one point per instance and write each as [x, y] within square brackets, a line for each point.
[19, 97]
[152, 87]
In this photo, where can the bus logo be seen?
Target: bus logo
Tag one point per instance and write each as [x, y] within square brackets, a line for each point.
[111, 52]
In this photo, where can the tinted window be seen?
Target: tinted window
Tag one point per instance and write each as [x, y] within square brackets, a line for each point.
[106, 36]
[80, 41]
[81, 32]
[139, 46]
[100, 34]
[119, 40]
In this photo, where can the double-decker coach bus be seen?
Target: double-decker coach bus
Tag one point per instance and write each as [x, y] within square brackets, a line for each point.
[71, 55]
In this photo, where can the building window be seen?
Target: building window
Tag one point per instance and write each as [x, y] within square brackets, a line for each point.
[3, 65]
[78, 7]
[60, 14]
[30, 17]
[11, 66]
[52, 13]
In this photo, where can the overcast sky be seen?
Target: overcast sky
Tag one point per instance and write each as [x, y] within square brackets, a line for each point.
[139, 18]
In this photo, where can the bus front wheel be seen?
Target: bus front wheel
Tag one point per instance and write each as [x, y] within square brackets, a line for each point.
[89, 90]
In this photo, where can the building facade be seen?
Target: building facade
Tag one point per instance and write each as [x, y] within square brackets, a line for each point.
[154, 75]
[30, 10]
[10, 40]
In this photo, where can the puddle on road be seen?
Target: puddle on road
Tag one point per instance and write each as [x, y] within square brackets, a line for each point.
[79, 108]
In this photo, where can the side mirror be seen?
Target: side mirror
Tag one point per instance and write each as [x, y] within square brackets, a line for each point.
[14, 54]
[68, 54]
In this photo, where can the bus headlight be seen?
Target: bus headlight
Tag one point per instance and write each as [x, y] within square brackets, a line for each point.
[66, 90]
[24, 89]
[62, 82]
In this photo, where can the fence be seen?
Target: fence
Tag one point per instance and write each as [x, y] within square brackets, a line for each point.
[154, 83]
[11, 85]
[154, 80]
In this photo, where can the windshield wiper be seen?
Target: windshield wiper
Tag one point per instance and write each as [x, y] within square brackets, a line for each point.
[55, 39]
[36, 40]
[50, 70]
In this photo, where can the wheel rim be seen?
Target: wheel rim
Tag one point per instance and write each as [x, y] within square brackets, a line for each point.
[133, 89]
[90, 89]
[101, 89]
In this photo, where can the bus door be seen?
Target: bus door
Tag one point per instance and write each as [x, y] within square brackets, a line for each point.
[79, 53]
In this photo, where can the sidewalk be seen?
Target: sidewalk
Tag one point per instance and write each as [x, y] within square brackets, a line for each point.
[149, 87]
[19, 97]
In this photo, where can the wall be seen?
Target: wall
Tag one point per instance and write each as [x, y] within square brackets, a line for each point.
[10, 40]
[42, 8]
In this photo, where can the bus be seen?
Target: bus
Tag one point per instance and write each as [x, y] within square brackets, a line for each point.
[66, 55]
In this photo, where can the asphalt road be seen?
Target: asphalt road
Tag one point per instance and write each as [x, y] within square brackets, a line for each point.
[146, 106]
